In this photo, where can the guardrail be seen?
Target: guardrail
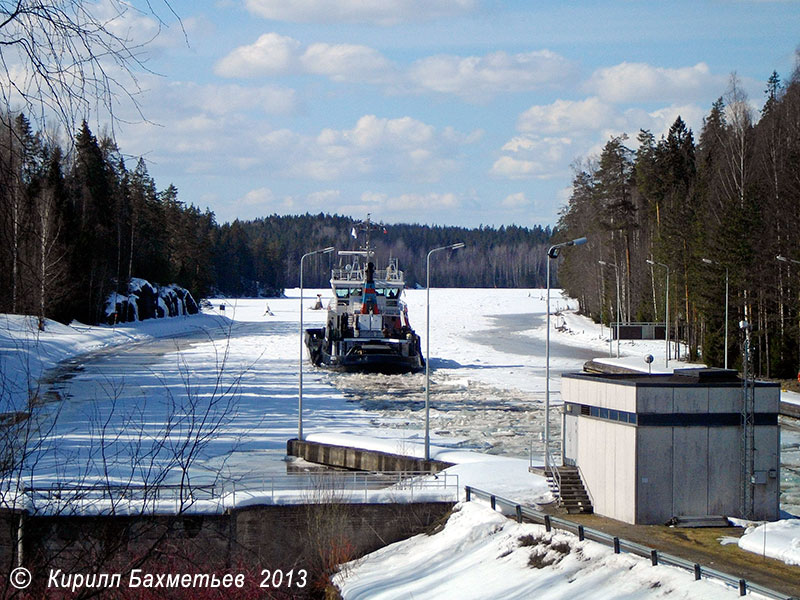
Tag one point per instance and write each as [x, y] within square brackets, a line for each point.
[292, 488]
[621, 545]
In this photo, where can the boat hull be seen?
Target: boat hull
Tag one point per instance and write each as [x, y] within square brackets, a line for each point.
[365, 356]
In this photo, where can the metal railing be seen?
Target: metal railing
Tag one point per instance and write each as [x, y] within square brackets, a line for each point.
[292, 488]
[549, 468]
[622, 545]
[358, 273]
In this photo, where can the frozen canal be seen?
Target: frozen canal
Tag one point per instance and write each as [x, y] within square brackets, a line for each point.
[221, 402]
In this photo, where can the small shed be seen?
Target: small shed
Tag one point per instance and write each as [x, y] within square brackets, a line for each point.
[653, 447]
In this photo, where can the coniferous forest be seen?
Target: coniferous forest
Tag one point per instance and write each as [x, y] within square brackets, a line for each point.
[77, 223]
[722, 203]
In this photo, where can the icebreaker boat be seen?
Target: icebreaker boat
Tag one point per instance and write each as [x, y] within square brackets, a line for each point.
[367, 328]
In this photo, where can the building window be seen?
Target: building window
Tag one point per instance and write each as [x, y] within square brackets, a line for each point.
[606, 414]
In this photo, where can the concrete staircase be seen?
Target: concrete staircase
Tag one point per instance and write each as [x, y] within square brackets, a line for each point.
[572, 494]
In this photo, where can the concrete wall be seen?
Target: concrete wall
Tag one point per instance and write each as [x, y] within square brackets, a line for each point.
[599, 393]
[697, 471]
[725, 471]
[357, 459]
[657, 399]
[766, 496]
[654, 475]
[768, 399]
[607, 459]
[725, 399]
[258, 537]
[690, 459]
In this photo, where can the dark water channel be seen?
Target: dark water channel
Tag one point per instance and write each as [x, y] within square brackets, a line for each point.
[506, 337]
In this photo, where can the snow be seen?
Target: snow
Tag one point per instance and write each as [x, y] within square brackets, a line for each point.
[487, 396]
[481, 554]
[790, 397]
[780, 540]
[27, 352]
[502, 475]
[297, 488]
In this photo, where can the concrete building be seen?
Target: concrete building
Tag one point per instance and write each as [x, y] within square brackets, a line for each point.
[653, 447]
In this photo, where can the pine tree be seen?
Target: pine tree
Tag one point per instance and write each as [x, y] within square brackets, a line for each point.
[93, 215]
[614, 182]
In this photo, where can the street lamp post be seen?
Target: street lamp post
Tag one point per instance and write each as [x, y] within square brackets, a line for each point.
[784, 259]
[455, 246]
[300, 382]
[712, 262]
[666, 313]
[552, 253]
[603, 314]
[616, 269]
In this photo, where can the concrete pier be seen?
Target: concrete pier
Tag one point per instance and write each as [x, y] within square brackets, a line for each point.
[357, 459]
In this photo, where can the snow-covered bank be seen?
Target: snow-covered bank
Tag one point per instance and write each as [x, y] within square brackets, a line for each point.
[501, 475]
[27, 352]
[780, 540]
[480, 554]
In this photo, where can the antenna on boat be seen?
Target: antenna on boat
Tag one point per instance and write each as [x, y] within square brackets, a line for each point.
[366, 227]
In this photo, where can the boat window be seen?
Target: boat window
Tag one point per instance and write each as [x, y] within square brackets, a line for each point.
[345, 292]
[392, 293]
[380, 291]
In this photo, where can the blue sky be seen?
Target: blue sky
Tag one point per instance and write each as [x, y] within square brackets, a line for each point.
[446, 112]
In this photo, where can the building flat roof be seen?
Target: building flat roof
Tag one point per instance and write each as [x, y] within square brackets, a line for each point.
[702, 377]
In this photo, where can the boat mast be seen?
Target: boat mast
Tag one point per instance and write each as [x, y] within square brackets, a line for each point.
[366, 226]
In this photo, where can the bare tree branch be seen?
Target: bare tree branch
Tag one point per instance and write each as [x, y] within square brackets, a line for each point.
[64, 59]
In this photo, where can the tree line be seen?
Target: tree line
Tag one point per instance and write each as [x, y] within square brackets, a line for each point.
[493, 257]
[76, 224]
[722, 207]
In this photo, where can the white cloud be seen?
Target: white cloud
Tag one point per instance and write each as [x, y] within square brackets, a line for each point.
[374, 148]
[226, 99]
[379, 12]
[637, 82]
[261, 197]
[518, 200]
[477, 76]
[262, 201]
[270, 54]
[405, 206]
[529, 156]
[473, 77]
[553, 148]
[564, 194]
[659, 121]
[552, 136]
[410, 202]
[516, 168]
[274, 54]
[346, 62]
[567, 116]
[401, 147]
[405, 132]
[138, 27]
